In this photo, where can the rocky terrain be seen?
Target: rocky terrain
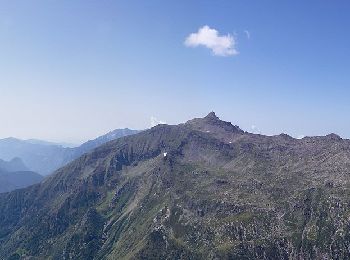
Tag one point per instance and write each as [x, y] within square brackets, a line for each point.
[200, 190]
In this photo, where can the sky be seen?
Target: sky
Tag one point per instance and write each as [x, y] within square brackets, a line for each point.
[73, 70]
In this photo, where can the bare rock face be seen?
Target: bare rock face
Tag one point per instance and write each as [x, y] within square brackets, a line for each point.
[200, 190]
[212, 125]
[211, 121]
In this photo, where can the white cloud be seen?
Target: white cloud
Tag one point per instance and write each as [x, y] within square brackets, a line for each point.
[220, 45]
[300, 136]
[255, 129]
[247, 33]
[155, 121]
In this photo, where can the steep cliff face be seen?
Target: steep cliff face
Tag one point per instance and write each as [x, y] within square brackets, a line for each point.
[200, 190]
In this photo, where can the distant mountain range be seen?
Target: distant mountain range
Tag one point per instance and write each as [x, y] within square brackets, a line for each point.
[37, 141]
[204, 189]
[45, 157]
[16, 164]
[14, 175]
[15, 180]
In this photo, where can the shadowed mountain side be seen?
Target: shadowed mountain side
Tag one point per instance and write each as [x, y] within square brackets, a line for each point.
[19, 179]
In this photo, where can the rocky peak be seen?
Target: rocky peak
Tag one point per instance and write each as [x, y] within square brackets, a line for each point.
[212, 116]
[334, 137]
[214, 125]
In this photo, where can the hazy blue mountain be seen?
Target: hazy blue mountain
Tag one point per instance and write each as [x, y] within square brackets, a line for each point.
[41, 158]
[14, 174]
[19, 179]
[92, 144]
[63, 144]
[16, 164]
[45, 157]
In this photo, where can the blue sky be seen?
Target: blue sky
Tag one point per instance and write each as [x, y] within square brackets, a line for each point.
[72, 70]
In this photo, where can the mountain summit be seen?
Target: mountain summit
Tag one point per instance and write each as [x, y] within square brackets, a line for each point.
[212, 116]
[200, 190]
[211, 124]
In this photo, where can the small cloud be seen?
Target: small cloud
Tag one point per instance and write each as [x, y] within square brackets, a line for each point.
[255, 129]
[220, 45]
[300, 136]
[247, 33]
[155, 121]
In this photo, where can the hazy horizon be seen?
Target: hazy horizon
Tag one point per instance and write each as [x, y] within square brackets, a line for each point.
[72, 71]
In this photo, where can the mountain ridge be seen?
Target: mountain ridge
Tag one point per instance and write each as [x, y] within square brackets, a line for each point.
[178, 192]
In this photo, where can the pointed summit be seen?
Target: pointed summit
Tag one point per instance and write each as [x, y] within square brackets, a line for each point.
[212, 115]
[213, 119]
[213, 124]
